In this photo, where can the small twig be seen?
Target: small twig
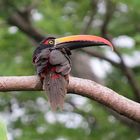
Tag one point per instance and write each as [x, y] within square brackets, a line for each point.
[130, 76]
[100, 56]
[91, 16]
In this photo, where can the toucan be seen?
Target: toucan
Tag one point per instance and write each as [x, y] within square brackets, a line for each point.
[53, 63]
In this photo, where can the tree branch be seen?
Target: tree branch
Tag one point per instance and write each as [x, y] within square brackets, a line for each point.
[130, 76]
[110, 9]
[91, 16]
[123, 67]
[23, 23]
[100, 56]
[78, 86]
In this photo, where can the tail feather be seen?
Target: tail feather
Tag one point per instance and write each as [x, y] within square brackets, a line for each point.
[56, 87]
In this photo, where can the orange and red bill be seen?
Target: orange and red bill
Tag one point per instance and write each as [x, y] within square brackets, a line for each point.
[80, 41]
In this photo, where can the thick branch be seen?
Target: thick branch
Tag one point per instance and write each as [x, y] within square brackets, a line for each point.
[82, 87]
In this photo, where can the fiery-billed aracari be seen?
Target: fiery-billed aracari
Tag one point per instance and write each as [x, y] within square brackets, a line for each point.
[53, 63]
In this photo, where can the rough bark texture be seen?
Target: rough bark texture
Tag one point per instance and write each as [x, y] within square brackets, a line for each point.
[82, 87]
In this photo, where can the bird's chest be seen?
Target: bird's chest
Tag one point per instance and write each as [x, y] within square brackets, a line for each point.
[57, 57]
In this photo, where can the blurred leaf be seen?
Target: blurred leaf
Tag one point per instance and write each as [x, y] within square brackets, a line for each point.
[3, 130]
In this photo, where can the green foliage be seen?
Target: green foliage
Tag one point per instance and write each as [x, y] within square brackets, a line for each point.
[118, 83]
[3, 130]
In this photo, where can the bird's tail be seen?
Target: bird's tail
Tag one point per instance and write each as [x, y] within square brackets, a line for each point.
[55, 86]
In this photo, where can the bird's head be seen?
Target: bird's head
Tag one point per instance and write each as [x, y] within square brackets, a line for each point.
[45, 44]
[75, 41]
[48, 42]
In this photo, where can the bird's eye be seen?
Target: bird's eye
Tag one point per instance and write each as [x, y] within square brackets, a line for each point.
[51, 42]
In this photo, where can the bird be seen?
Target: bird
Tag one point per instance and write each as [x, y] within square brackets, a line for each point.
[53, 63]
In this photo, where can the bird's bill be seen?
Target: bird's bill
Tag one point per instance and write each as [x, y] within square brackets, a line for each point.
[80, 41]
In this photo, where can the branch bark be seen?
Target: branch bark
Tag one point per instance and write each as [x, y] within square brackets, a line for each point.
[86, 88]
